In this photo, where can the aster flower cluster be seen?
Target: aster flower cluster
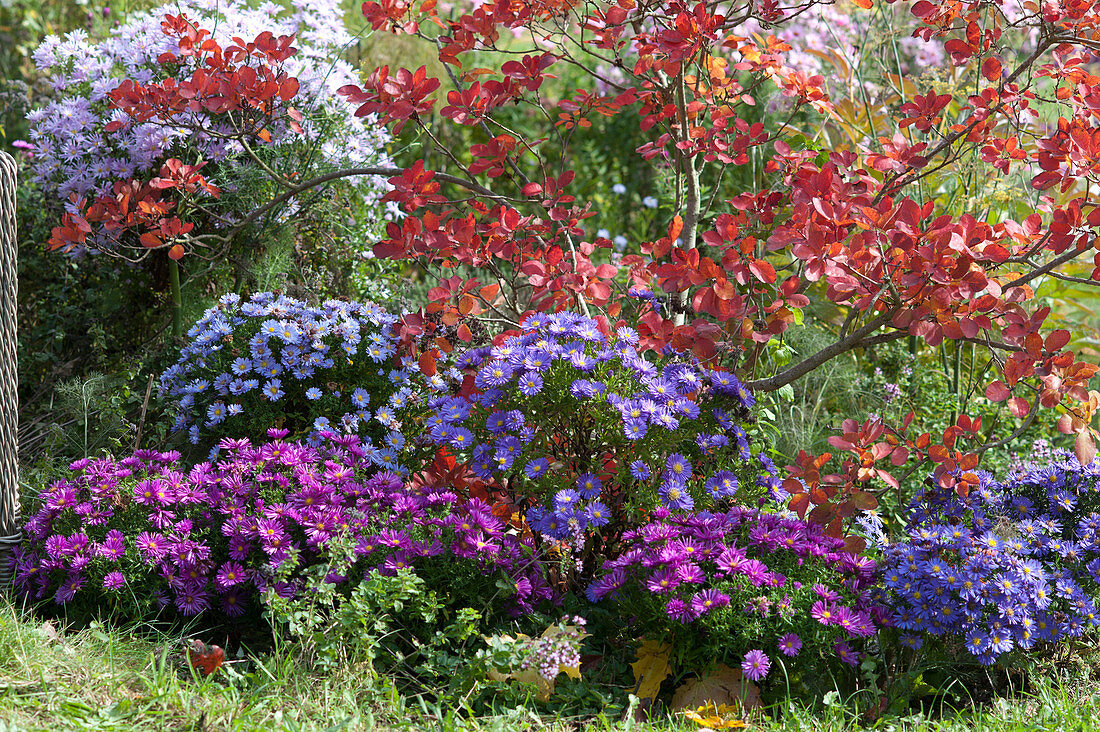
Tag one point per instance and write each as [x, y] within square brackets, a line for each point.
[574, 419]
[74, 154]
[1013, 565]
[728, 585]
[273, 358]
[145, 532]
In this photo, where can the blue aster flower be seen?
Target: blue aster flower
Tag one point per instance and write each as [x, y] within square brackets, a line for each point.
[536, 468]
[273, 390]
[589, 486]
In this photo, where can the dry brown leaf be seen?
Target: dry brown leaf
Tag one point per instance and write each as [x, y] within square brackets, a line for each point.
[724, 686]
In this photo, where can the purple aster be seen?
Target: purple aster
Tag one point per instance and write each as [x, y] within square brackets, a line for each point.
[731, 559]
[790, 644]
[676, 497]
[1000, 641]
[397, 561]
[192, 601]
[707, 600]
[530, 384]
[113, 546]
[691, 573]
[68, 589]
[496, 422]
[755, 571]
[678, 468]
[722, 484]
[230, 573]
[635, 429]
[152, 546]
[909, 640]
[502, 460]
[232, 604]
[597, 514]
[845, 653]
[822, 613]
[755, 665]
[460, 438]
[679, 610]
[494, 374]
[113, 580]
[662, 581]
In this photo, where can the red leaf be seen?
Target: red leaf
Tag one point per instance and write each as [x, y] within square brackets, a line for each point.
[675, 227]
[204, 658]
[823, 514]
[799, 503]
[793, 486]
[991, 69]
[960, 51]
[1057, 340]
[855, 544]
[997, 392]
[288, 89]
[427, 364]
[763, 271]
[864, 501]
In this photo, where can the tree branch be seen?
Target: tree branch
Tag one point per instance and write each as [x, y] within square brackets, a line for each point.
[854, 339]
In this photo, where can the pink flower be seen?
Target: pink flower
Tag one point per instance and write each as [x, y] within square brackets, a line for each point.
[755, 665]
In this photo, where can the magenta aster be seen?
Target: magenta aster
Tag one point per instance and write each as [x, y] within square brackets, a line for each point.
[755, 665]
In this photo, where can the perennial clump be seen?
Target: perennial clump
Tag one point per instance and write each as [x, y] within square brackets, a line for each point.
[583, 433]
[272, 358]
[719, 585]
[74, 154]
[144, 533]
[1012, 565]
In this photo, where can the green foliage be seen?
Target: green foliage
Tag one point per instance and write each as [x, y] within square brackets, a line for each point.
[394, 626]
[92, 415]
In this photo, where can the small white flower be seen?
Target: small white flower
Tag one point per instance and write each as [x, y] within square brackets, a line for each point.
[618, 189]
[649, 202]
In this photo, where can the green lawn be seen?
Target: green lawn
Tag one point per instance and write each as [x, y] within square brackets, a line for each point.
[104, 679]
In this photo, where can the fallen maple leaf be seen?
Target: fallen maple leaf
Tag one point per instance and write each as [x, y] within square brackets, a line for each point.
[725, 686]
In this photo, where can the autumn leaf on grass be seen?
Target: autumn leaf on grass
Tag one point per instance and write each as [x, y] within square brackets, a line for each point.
[206, 659]
[725, 686]
[651, 668]
[716, 716]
